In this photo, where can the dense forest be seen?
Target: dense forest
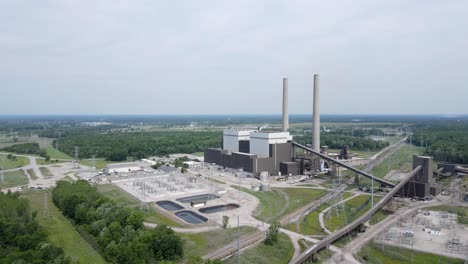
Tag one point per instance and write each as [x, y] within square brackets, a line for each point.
[116, 231]
[445, 141]
[24, 148]
[335, 141]
[119, 146]
[22, 240]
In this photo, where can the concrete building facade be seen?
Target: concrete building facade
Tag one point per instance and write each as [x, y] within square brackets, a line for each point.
[262, 152]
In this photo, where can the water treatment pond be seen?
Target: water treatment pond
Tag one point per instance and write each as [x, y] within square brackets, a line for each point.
[191, 217]
[198, 198]
[169, 206]
[218, 208]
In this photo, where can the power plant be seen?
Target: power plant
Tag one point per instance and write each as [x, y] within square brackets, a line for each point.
[257, 151]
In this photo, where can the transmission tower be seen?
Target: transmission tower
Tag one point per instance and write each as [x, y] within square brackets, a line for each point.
[93, 162]
[337, 205]
[57, 142]
[46, 204]
[75, 161]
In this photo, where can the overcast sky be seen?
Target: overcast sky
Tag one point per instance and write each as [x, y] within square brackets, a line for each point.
[229, 57]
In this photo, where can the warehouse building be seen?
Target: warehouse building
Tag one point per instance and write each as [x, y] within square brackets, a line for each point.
[122, 167]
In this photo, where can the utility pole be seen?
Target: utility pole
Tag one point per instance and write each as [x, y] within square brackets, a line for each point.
[94, 162]
[372, 192]
[57, 142]
[2, 176]
[238, 241]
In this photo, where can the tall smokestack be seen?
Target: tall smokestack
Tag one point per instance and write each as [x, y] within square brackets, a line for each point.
[285, 105]
[316, 128]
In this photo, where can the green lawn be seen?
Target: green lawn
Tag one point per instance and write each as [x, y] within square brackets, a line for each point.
[379, 216]
[279, 253]
[125, 199]
[56, 154]
[13, 179]
[16, 162]
[203, 243]
[274, 204]
[299, 197]
[353, 209]
[310, 225]
[372, 253]
[61, 232]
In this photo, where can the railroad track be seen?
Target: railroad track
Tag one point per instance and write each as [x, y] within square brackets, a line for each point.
[231, 248]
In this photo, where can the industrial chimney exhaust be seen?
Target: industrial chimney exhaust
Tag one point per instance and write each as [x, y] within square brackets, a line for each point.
[316, 125]
[285, 105]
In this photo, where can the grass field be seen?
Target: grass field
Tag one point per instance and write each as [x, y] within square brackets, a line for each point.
[279, 253]
[14, 178]
[353, 209]
[61, 232]
[7, 164]
[56, 154]
[373, 254]
[400, 160]
[203, 243]
[310, 225]
[101, 163]
[281, 201]
[125, 199]
[46, 172]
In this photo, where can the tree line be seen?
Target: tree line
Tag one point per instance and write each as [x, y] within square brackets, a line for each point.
[445, 141]
[22, 239]
[24, 148]
[335, 141]
[117, 231]
[119, 146]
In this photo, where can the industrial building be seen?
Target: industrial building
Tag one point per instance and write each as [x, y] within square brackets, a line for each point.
[423, 184]
[122, 167]
[253, 151]
[263, 151]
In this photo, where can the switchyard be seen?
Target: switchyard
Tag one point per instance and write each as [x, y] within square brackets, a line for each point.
[428, 231]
